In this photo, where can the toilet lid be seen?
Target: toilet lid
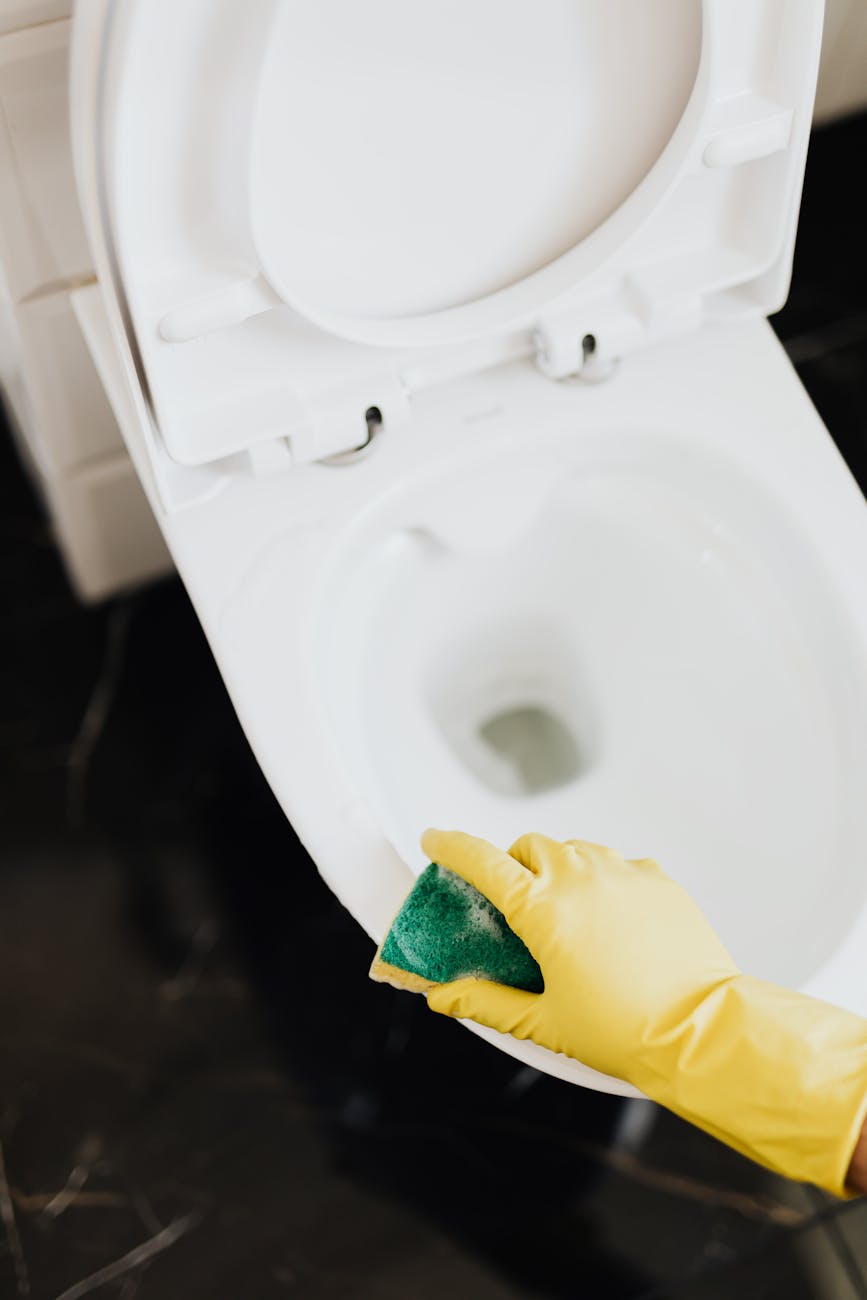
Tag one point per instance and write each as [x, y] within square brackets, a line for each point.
[450, 151]
[314, 209]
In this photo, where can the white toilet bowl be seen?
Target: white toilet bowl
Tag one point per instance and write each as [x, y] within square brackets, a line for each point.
[632, 611]
[689, 615]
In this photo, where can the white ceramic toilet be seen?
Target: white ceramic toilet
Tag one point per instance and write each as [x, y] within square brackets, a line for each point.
[437, 335]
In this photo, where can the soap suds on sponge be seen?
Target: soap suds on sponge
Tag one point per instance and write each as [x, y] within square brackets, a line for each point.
[446, 930]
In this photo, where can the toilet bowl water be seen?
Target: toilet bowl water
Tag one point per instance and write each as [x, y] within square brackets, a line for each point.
[658, 661]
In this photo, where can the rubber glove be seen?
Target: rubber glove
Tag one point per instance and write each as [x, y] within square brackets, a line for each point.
[638, 985]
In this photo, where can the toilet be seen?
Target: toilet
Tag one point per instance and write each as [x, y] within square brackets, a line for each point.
[437, 335]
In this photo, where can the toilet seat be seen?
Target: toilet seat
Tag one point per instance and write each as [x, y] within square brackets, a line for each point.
[227, 445]
[707, 101]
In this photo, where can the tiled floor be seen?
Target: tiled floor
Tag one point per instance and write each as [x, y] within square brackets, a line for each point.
[201, 1097]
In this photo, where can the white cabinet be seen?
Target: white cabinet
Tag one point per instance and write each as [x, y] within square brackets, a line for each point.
[67, 430]
[42, 239]
[15, 14]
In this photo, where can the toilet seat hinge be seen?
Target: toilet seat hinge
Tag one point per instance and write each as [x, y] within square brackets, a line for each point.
[373, 424]
[649, 309]
[566, 351]
[339, 427]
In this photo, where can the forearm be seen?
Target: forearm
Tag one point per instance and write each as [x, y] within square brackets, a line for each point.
[856, 1180]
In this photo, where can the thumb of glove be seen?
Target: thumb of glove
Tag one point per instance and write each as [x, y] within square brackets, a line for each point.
[511, 1011]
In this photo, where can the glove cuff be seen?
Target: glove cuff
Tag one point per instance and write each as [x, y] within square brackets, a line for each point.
[777, 1075]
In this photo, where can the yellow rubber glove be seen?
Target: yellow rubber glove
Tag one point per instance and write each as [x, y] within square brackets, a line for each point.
[638, 985]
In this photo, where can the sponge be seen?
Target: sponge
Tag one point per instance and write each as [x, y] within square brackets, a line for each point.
[445, 930]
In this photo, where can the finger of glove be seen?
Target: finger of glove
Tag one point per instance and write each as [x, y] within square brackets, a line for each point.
[595, 857]
[537, 853]
[494, 873]
[509, 1010]
[649, 866]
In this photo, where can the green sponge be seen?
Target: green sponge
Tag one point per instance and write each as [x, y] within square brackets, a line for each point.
[445, 930]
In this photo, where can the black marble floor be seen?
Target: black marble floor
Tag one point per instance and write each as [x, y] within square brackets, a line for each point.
[202, 1095]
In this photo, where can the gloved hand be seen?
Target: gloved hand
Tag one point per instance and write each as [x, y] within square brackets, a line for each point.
[638, 985]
